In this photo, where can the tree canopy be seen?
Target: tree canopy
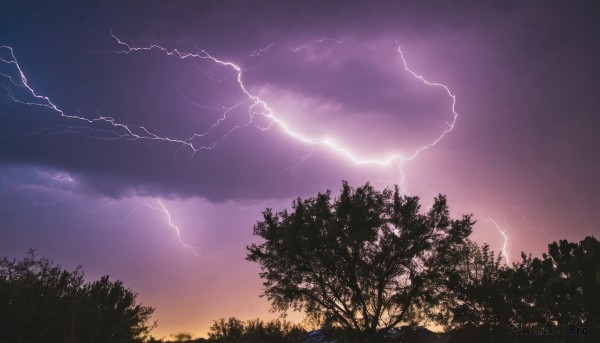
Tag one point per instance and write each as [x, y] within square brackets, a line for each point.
[563, 286]
[560, 288]
[367, 260]
[41, 302]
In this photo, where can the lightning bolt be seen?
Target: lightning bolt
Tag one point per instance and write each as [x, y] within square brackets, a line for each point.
[258, 52]
[501, 232]
[45, 101]
[521, 211]
[257, 107]
[140, 203]
[62, 178]
[258, 103]
[504, 236]
[176, 228]
[158, 207]
[315, 41]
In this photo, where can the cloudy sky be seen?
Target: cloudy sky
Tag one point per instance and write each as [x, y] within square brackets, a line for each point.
[143, 139]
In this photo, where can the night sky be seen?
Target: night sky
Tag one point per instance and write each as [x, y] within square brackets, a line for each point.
[142, 139]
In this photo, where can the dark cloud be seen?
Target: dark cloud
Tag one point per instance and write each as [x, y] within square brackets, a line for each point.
[503, 60]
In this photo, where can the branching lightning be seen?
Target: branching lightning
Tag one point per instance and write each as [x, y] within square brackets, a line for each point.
[160, 207]
[521, 211]
[257, 107]
[62, 178]
[315, 41]
[353, 157]
[258, 52]
[45, 101]
[43, 188]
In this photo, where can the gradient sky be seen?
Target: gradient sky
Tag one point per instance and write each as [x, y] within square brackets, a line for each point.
[523, 153]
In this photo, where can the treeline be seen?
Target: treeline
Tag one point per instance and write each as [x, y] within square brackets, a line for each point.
[364, 267]
[253, 331]
[42, 302]
[559, 291]
[485, 300]
[368, 261]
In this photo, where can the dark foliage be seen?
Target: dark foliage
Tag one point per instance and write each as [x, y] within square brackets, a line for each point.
[234, 330]
[41, 302]
[473, 297]
[561, 288]
[365, 261]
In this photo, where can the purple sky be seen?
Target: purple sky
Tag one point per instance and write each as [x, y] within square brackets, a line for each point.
[522, 155]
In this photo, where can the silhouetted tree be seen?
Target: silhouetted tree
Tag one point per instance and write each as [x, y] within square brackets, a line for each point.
[366, 261]
[41, 302]
[561, 287]
[477, 304]
[230, 329]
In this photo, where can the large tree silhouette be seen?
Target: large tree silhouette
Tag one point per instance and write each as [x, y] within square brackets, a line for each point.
[365, 261]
